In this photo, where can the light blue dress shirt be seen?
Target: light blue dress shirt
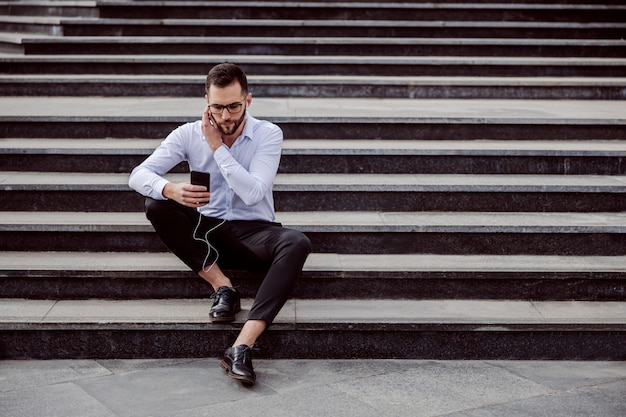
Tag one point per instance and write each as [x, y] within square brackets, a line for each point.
[242, 177]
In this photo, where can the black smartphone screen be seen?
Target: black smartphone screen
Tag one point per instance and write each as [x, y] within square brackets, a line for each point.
[201, 178]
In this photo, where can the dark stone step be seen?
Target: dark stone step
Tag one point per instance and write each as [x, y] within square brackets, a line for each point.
[567, 234]
[409, 47]
[314, 66]
[316, 86]
[88, 275]
[341, 28]
[90, 201]
[372, 11]
[341, 163]
[335, 192]
[425, 329]
[321, 128]
[49, 8]
[340, 156]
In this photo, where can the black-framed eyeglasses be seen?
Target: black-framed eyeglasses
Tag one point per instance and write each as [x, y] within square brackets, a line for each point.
[233, 108]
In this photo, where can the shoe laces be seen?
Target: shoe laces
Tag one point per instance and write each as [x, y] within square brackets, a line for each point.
[222, 292]
[246, 350]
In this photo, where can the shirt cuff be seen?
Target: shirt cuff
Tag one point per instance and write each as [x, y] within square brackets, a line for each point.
[158, 189]
[221, 154]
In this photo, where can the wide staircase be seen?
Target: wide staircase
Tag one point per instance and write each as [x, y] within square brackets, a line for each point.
[460, 169]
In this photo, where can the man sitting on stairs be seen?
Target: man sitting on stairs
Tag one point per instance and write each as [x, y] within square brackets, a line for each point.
[229, 223]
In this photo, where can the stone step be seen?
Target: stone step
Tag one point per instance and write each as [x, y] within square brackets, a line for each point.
[318, 46]
[445, 233]
[77, 26]
[362, 11]
[327, 118]
[575, 88]
[123, 275]
[368, 328]
[53, 191]
[66, 8]
[326, 156]
[48, 25]
[450, 284]
[444, 66]
[323, 28]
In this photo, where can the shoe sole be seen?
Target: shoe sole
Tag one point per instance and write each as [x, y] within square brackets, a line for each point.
[243, 379]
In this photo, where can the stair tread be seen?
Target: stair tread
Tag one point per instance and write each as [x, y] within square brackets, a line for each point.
[98, 312]
[506, 5]
[453, 111]
[143, 264]
[22, 180]
[345, 221]
[327, 40]
[326, 79]
[337, 146]
[334, 22]
[328, 59]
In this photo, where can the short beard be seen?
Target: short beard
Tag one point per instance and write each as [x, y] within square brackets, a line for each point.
[235, 126]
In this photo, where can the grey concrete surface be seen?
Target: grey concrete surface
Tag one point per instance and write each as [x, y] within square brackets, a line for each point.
[468, 110]
[341, 182]
[346, 147]
[301, 312]
[136, 262]
[347, 221]
[381, 388]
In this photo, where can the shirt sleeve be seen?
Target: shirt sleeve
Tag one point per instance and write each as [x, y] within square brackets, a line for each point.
[147, 178]
[253, 184]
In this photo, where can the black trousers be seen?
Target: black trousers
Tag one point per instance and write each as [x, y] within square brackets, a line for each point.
[251, 245]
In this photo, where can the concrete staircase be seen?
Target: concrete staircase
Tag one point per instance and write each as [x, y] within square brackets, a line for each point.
[459, 168]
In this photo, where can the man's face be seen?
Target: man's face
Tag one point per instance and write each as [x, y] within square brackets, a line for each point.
[228, 121]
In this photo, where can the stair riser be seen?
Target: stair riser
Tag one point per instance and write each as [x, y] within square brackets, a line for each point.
[511, 201]
[345, 164]
[18, 9]
[452, 164]
[314, 285]
[172, 89]
[377, 12]
[470, 243]
[318, 49]
[324, 128]
[91, 66]
[339, 30]
[43, 28]
[436, 342]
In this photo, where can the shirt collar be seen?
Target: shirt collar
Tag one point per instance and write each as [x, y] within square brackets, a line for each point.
[248, 129]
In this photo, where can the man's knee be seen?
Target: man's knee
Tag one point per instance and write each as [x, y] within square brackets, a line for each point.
[299, 242]
[152, 206]
[157, 209]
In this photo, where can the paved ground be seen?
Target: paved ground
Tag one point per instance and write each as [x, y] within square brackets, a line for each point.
[380, 388]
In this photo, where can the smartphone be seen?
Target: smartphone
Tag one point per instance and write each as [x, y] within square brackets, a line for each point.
[201, 178]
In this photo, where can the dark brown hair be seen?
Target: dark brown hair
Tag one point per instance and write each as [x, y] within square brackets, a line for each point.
[223, 75]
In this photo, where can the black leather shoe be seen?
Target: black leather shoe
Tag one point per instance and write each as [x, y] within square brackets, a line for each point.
[227, 303]
[237, 362]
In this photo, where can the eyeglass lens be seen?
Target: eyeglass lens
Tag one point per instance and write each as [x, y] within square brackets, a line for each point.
[232, 108]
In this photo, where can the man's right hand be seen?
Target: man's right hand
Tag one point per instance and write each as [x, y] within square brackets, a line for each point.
[187, 194]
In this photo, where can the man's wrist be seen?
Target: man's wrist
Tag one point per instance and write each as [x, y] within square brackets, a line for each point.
[166, 190]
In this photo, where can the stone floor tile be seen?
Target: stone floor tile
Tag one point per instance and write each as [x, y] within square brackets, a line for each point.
[17, 375]
[55, 400]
